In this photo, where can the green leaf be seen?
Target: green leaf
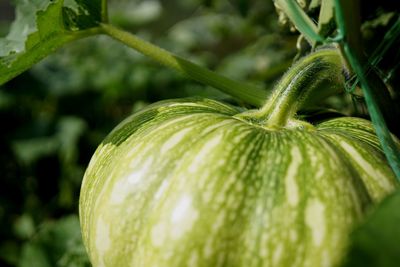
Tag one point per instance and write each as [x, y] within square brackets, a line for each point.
[376, 242]
[24, 226]
[23, 25]
[42, 26]
[28, 151]
[83, 14]
[57, 243]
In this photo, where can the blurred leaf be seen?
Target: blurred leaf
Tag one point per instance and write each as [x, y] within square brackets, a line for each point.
[6, 100]
[376, 242]
[57, 243]
[70, 130]
[29, 150]
[242, 6]
[64, 141]
[32, 253]
[262, 61]
[112, 73]
[381, 20]
[9, 252]
[134, 12]
[209, 30]
[24, 227]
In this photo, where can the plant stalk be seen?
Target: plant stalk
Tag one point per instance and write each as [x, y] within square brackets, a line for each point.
[375, 91]
[243, 91]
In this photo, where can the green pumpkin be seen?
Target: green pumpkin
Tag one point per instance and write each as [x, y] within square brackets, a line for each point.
[198, 183]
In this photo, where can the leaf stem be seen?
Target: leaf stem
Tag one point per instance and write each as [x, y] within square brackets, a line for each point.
[243, 91]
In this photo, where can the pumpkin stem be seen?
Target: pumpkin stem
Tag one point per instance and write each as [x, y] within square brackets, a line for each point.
[311, 79]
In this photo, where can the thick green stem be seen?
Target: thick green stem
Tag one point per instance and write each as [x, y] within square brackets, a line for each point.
[321, 72]
[375, 92]
[243, 91]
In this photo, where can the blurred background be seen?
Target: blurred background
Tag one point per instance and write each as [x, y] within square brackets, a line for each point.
[54, 115]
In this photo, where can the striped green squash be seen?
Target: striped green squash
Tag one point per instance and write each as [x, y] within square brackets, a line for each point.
[192, 183]
[198, 183]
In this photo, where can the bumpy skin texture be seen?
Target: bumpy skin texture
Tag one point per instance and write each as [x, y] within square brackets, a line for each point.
[188, 183]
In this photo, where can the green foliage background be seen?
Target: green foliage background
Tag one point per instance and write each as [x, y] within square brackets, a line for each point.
[54, 116]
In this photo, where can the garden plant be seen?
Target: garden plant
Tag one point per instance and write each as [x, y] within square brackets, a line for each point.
[296, 163]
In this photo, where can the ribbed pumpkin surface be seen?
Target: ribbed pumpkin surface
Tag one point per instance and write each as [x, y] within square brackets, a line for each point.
[187, 183]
